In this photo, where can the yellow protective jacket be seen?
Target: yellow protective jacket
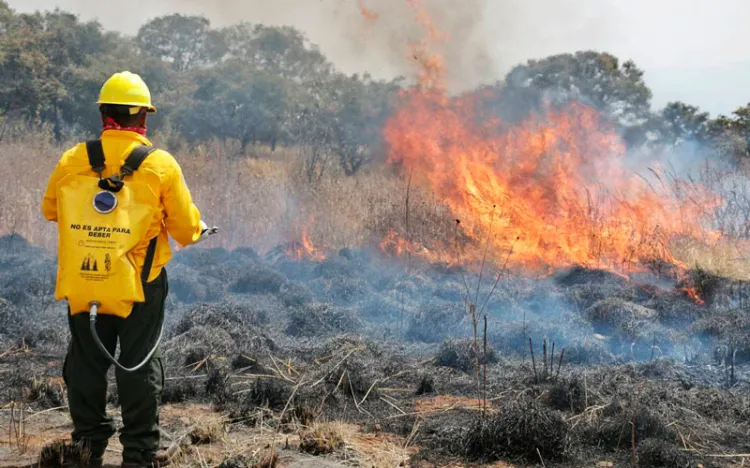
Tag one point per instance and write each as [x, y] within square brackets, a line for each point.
[176, 214]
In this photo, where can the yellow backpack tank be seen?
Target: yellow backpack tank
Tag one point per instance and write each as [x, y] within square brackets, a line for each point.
[101, 223]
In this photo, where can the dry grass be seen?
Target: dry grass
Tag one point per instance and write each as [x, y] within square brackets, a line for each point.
[322, 439]
[727, 258]
[62, 453]
[263, 202]
[208, 433]
[268, 459]
[267, 201]
[28, 163]
[347, 441]
[445, 403]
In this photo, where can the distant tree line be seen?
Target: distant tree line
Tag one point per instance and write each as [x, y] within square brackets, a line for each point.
[260, 85]
[618, 90]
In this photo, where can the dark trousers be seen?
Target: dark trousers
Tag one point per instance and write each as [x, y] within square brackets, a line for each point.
[85, 374]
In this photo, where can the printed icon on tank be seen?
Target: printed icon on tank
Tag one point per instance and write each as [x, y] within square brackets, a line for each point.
[89, 264]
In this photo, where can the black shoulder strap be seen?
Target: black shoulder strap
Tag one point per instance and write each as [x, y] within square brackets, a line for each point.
[131, 165]
[96, 155]
[136, 157]
[149, 260]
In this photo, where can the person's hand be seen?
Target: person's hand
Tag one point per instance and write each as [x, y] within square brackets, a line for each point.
[206, 232]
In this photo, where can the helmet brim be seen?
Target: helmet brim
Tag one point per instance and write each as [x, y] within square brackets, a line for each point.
[149, 109]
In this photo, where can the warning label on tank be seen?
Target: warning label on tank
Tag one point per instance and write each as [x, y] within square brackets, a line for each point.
[100, 237]
[104, 232]
[99, 246]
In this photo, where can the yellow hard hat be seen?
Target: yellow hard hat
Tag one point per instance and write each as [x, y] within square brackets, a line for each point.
[126, 89]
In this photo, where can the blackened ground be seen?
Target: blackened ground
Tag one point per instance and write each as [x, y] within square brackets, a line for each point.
[638, 368]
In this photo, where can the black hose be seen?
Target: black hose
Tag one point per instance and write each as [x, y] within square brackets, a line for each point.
[92, 324]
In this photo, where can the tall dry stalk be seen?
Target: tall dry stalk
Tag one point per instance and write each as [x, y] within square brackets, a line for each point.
[484, 376]
[486, 251]
[408, 252]
[17, 436]
[633, 423]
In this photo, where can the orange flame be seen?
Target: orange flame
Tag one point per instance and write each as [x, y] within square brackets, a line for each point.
[394, 244]
[304, 248]
[694, 295]
[431, 64]
[554, 189]
[368, 14]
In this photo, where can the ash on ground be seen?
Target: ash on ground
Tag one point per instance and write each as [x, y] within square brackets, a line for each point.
[573, 370]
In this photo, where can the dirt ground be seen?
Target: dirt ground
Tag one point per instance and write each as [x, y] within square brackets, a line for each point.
[223, 440]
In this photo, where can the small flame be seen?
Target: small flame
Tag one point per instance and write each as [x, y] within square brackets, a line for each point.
[426, 52]
[693, 294]
[394, 244]
[368, 14]
[304, 248]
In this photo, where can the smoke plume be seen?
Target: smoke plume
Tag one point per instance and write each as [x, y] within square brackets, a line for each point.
[482, 38]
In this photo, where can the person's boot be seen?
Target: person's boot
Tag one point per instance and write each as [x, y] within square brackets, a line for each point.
[159, 459]
[90, 463]
[96, 455]
[95, 462]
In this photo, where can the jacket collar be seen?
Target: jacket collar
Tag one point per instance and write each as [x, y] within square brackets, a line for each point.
[126, 136]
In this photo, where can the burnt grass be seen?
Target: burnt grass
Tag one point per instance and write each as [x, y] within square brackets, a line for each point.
[638, 368]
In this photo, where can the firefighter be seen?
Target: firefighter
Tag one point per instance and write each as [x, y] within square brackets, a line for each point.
[124, 103]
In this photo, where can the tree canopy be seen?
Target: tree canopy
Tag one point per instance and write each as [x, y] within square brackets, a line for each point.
[255, 84]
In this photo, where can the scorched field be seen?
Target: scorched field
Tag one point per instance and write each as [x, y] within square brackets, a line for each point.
[485, 291]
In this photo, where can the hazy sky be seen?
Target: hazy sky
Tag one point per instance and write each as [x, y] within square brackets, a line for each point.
[697, 51]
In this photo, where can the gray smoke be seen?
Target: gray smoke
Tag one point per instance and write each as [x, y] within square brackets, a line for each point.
[700, 58]
[484, 38]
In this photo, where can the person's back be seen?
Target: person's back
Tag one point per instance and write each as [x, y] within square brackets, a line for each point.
[160, 171]
[157, 184]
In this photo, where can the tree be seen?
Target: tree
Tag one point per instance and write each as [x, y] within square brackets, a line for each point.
[281, 50]
[679, 122]
[70, 47]
[343, 119]
[360, 109]
[312, 130]
[731, 135]
[186, 42]
[597, 79]
[38, 57]
[27, 81]
[236, 101]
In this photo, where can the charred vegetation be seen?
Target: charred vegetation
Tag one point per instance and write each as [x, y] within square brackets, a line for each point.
[554, 379]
